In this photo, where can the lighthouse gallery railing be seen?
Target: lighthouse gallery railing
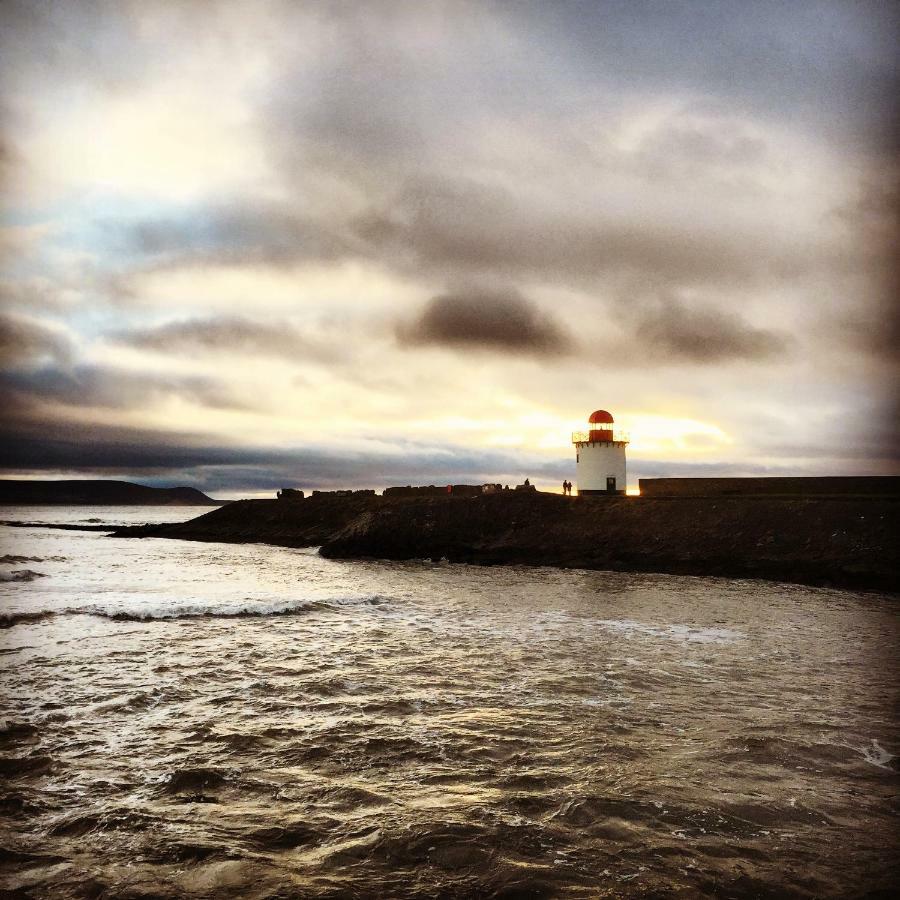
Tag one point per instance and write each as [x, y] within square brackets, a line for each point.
[584, 437]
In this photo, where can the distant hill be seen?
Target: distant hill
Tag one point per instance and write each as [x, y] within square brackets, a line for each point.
[98, 493]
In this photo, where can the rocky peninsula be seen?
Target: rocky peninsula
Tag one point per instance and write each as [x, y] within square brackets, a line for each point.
[847, 542]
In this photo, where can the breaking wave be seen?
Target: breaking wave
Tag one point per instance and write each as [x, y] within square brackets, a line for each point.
[8, 620]
[10, 559]
[163, 612]
[240, 610]
[21, 575]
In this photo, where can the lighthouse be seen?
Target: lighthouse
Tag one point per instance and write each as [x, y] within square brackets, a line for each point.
[600, 456]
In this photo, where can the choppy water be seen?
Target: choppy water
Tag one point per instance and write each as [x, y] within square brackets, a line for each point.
[185, 719]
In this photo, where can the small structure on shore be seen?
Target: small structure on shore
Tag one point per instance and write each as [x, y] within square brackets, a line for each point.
[430, 490]
[290, 494]
[366, 492]
[600, 456]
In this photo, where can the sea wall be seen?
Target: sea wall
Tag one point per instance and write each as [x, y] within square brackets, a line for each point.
[806, 486]
[842, 541]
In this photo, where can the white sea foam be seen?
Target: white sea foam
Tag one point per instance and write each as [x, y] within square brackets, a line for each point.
[689, 633]
[876, 755]
[20, 575]
[206, 609]
[200, 609]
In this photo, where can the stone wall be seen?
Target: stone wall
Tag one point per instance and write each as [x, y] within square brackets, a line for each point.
[876, 485]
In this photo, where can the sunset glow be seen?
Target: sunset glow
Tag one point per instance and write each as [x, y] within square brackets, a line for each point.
[316, 244]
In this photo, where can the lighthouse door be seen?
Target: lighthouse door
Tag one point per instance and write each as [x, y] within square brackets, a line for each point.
[610, 485]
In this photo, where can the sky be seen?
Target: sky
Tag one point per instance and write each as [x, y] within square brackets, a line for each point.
[248, 245]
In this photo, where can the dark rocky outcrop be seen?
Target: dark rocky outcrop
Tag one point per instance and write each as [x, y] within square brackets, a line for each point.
[86, 492]
[296, 523]
[841, 541]
[845, 542]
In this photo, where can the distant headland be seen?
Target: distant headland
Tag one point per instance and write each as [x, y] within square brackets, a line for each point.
[97, 492]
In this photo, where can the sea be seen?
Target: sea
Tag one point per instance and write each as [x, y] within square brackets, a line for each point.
[183, 719]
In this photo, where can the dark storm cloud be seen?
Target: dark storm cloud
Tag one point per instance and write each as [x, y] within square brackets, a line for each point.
[875, 333]
[416, 141]
[444, 225]
[440, 227]
[25, 341]
[230, 334]
[705, 335]
[40, 443]
[809, 59]
[873, 217]
[68, 36]
[489, 320]
[36, 444]
[110, 388]
[828, 66]
[423, 189]
[430, 197]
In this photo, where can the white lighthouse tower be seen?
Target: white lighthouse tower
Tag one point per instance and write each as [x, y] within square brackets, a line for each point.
[600, 456]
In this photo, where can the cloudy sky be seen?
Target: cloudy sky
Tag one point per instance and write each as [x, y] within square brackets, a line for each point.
[251, 244]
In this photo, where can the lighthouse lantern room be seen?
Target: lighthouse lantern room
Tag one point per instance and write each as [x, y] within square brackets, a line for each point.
[600, 456]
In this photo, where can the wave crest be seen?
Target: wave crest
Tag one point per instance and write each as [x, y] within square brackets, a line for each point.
[163, 612]
[21, 575]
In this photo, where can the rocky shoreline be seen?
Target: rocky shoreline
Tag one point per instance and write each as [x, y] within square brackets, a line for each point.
[846, 542]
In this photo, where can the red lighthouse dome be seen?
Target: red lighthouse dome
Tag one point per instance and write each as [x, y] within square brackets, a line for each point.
[600, 422]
